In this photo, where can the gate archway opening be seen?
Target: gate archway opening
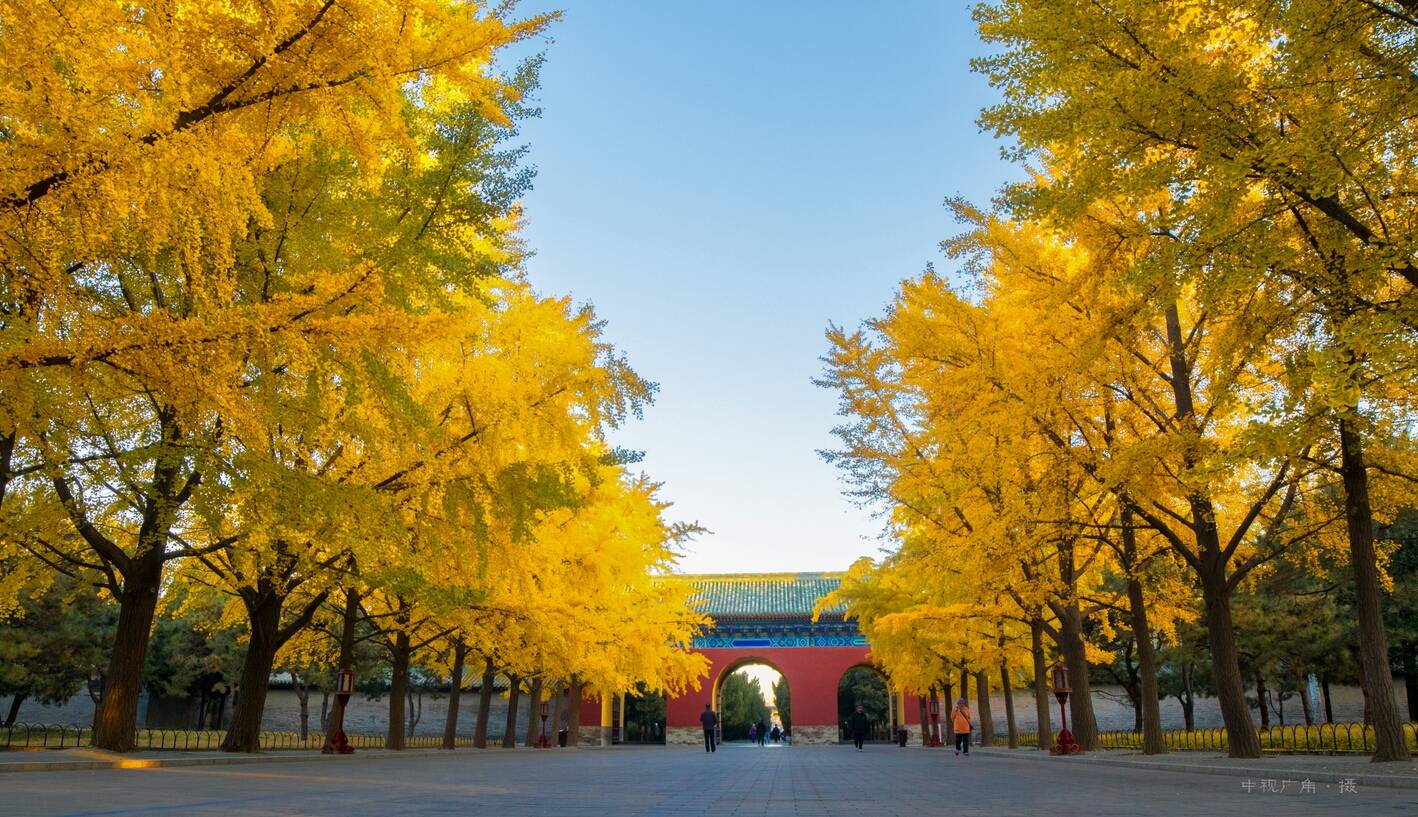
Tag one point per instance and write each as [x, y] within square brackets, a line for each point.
[644, 716]
[864, 685]
[747, 693]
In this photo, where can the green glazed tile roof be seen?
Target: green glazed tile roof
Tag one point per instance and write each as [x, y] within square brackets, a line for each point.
[776, 596]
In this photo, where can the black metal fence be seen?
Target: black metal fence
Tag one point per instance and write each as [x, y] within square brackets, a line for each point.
[1319, 738]
[49, 736]
[1324, 738]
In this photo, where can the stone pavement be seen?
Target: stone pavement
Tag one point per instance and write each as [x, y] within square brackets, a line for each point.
[738, 780]
[1321, 768]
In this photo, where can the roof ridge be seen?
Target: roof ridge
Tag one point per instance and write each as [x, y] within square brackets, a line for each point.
[780, 595]
[775, 576]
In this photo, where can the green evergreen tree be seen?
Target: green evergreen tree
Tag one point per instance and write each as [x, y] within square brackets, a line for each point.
[54, 645]
[741, 704]
[783, 700]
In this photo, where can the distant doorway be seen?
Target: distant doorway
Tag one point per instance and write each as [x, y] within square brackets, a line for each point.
[644, 716]
[865, 687]
[753, 703]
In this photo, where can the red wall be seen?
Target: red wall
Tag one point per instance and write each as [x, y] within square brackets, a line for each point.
[812, 674]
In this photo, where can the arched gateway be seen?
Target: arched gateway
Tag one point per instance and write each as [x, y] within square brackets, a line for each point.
[766, 618]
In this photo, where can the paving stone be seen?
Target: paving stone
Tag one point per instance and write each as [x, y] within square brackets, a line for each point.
[881, 781]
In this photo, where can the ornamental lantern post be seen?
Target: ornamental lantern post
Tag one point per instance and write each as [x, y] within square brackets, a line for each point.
[1065, 744]
[935, 721]
[542, 742]
[339, 744]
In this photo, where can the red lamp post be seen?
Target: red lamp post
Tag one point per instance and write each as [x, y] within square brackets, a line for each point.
[339, 744]
[1065, 744]
[542, 742]
[935, 721]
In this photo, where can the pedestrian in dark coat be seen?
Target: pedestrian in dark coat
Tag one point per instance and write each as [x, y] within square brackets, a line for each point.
[858, 725]
[710, 721]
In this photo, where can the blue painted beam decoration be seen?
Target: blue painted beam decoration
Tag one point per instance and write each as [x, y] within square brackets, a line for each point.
[721, 641]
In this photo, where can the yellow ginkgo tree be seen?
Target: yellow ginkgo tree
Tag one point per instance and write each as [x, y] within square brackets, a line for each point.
[1278, 137]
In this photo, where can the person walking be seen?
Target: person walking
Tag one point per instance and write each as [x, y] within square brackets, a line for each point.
[858, 726]
[960, 722]
[753, 733]
[710, 721]
[762, 733]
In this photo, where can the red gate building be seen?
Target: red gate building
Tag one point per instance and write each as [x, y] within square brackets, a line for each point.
[766, 618]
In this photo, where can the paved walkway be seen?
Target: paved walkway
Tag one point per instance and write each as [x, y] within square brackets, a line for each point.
[738, 780]
[1322, 768]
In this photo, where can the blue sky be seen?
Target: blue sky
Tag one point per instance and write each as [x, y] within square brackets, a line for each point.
[722, 180]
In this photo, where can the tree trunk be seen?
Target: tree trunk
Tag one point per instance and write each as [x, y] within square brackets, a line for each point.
[1364, 688]
[142, 577]
[1075, 655]
[514, 691]
[1389, 744]
[348, 623]
[1007, 686]
[534, 706]
[346, 660]
[97, 699]
[925, 721]
[7, 453]
[1241, 736]
[264, 621]
[15, 708]
[484, 704]
[117, 720]
[1188, 698]
[402, 655]
[573, 713]
[455, 692]
[987, 718]
[1305, 703]
[1042, 710]
[302, 695]
[943, 705]
[558, 698]
[414, 694]
[1262, 703]
[1132, 683]
[1328, 705]
[219, 711]
[1151, 710]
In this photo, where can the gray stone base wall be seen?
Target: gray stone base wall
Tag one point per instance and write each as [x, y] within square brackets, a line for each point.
[590, 736]
[814, 735]
[694, 735]
[365, 716]
[684, 736]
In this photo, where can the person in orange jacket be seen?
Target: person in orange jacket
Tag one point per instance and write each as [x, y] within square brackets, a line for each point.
[960, 720]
